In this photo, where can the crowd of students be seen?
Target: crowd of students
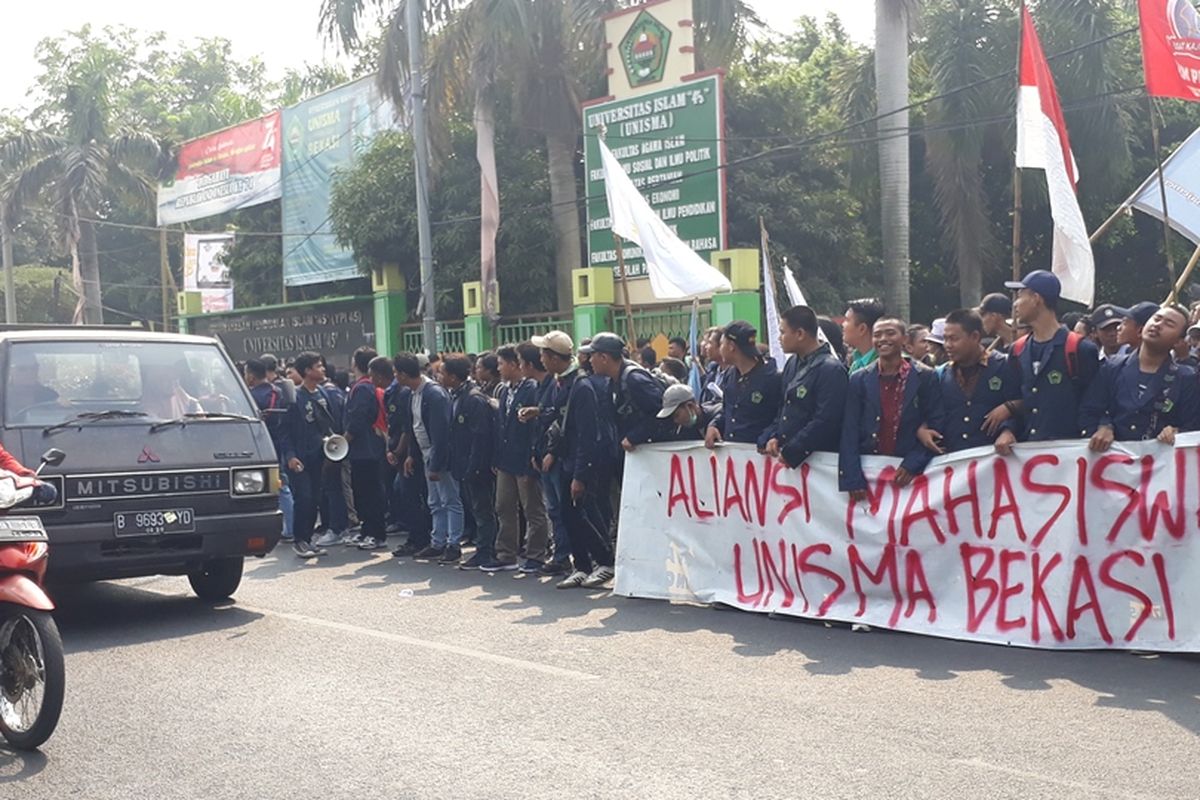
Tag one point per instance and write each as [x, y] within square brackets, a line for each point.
[521, 452]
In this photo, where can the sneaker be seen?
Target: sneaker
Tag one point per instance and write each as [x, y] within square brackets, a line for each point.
[406, 550]
[305, 550]
[599, 577]
[351, 539]
[371, 543]
[573, 581]
[327, 539]
[531, 565]
[430, 552]
[495, 565]
[477, 561]
[554, 568]
[452, 555]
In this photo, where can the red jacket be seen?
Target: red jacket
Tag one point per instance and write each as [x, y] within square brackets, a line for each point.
[9, 462]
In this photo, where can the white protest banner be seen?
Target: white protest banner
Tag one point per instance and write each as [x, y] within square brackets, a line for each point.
[1053, 547]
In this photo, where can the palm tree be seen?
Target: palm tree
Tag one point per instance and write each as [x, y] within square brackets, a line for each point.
[545, 51]
[74, 164]
[891, 86]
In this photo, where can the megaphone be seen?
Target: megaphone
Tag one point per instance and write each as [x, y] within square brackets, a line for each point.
[336, 447]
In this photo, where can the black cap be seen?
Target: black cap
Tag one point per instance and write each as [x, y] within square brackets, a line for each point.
[744, 335]
[1106, 315]
[996, 303]
[607, 343]
[1141, 312]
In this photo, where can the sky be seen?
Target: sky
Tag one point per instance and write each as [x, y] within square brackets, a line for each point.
[282, 32]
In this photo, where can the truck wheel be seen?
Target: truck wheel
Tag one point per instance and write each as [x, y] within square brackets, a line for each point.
[217, 580]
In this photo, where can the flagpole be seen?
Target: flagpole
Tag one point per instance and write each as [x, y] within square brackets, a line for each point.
[1108, 223]
[632, 340]
[1162, 189]
[1016, 233]
[1187, 273]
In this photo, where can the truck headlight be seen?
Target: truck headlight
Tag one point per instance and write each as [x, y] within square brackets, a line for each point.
[249, 481]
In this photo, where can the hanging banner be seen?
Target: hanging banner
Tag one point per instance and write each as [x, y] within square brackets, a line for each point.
[235, 168]
[204, 270]
[1054, 547]
[321, 136]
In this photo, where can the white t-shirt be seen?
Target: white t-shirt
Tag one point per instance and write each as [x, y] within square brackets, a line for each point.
[419, 432]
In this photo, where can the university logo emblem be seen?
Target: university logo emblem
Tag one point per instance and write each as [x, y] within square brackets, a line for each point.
[802, 392]
[994, 384]
[644, 50]
[1055, 378]
[756, 397]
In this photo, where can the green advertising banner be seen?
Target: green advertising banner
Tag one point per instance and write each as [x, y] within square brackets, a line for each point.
[669, 142]
[321, 136]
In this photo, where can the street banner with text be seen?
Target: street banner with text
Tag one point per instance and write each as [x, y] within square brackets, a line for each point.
[1053, 547]
[235, 168]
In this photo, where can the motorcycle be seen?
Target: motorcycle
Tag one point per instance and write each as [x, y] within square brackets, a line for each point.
[32, 672]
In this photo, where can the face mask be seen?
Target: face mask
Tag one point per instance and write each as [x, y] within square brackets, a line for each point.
[692, 419]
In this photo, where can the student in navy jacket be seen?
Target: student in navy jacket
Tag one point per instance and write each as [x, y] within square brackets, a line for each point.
[517, 485]
[539, 416]
[583, 445]
[814, 392]
[410, 497]
[1144, 394]
[978, 389]
[314, 415]
[887, 402]
[1055, 366]
[636, 394]
[752, 394]
[472, 442]
[431, 445]
[368, 443]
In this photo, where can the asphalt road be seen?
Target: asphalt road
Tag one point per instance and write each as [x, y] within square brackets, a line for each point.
[361, 677]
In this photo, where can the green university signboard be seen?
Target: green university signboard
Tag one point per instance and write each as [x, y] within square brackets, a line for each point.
[669, 141]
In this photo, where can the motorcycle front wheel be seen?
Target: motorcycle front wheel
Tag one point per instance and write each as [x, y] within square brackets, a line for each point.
[32, 676]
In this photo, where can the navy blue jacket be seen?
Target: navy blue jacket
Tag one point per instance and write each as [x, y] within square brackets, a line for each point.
[1051, 397]
[814, 399]
[637, 399]
[397, 406]
[435, 414]
[997, 384]
[750, 405]
[362, 410]
[309, 421]
[860, 430]
[551, 400]
[269, 400]
[472, 432]
[587, 441]
[514, 439]
[1172, 398]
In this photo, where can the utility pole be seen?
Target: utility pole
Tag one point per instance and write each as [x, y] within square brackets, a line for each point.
[164, 266]
[6, 254]
[416, 82]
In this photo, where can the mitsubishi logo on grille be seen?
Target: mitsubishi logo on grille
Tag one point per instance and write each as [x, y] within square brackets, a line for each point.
[148, 456]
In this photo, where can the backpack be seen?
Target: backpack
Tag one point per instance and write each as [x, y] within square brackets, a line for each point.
[1073, 340]
[623, 379]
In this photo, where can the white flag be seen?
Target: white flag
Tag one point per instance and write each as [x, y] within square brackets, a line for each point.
[768, 282]
[676, 271]
[1042, 143]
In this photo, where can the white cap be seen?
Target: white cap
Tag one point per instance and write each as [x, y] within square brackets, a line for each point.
[674, 397]
[555, 341]
[937, 333]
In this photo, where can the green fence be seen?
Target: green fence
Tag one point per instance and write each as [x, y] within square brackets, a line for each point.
[670, 321]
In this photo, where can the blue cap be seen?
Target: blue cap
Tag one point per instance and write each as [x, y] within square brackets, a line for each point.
[1044, 283]
[1141, 312]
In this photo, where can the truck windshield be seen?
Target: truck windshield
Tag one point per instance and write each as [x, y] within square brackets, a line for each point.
[51, 382]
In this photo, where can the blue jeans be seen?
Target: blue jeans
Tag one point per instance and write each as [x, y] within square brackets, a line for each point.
[445, 505]
[286, 504]
[552, 493]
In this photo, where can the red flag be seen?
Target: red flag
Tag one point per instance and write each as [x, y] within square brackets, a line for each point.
[1042, 143]
[1171, 48]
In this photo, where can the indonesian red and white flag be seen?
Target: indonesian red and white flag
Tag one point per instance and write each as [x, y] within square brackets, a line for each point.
[1170, 48]
[1042, 143]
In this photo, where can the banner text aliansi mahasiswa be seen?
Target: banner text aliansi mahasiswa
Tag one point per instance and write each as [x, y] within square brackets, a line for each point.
[1052, 547]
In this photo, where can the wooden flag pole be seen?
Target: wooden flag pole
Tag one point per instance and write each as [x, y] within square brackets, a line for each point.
[1162, 189]
[1016, 234]
[1187, 273]
[631, 342]
[1108, 223]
